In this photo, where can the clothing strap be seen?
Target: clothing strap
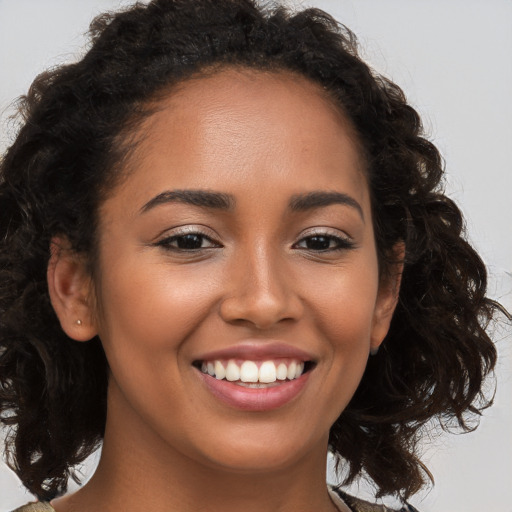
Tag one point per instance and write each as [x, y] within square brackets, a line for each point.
[358, 505]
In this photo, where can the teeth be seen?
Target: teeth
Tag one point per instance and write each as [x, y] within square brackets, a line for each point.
[267, 372]
[256, 385]
[220, 371]
[292, 370]
[232, 371]
[249, 373]
[282, 372]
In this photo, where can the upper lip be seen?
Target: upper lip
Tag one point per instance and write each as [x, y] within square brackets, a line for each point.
[257, 351]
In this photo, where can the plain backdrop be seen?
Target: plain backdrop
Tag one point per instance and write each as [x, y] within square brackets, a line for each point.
[453, 58]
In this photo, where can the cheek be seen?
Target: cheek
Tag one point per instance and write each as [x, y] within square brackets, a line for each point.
[147, 315]
[343, 302]
[343, 312]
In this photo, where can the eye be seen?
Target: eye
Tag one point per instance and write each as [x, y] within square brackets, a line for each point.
[189, 241]
[324, 242]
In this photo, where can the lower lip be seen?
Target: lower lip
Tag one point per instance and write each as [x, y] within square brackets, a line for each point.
[255, 399]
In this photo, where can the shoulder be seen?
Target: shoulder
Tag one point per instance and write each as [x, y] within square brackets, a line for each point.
[35, 507]
[358, 505]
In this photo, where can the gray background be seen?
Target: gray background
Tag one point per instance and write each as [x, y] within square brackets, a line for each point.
[453, 58]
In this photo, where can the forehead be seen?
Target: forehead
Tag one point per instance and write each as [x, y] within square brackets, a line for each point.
[222, 131]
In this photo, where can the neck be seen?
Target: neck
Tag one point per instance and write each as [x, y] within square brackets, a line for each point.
[140, 471]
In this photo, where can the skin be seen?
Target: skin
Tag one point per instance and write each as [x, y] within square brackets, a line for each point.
[169, 445]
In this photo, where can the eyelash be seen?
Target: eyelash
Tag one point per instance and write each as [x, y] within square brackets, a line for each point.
[167, 241]
[341, 243]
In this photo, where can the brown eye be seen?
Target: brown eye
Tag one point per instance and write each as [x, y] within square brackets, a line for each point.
[319, 243]
[187, 242]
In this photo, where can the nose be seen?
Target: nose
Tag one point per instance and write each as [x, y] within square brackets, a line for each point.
[260, 291]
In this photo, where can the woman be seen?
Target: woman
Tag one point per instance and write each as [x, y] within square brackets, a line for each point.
[231, 213]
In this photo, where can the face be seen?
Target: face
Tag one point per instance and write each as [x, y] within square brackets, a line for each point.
[238, 291]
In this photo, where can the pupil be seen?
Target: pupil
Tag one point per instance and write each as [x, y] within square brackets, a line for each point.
[318, 243]
[189, 242]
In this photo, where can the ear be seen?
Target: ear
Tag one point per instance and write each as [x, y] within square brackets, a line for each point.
[70, 289]
[387, 298]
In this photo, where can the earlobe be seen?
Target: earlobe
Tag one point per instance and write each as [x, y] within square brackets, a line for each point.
[387, 299]
[70, 289]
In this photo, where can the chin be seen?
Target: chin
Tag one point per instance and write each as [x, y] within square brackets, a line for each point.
[267, 452]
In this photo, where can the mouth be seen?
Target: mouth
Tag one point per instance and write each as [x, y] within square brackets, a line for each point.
[255, 374]
[253, 384]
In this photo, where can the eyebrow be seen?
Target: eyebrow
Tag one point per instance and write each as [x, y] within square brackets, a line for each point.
[202, 198]
[222, 201]
[319, 199]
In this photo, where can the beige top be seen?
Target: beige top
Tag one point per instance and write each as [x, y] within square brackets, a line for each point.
[35, 507]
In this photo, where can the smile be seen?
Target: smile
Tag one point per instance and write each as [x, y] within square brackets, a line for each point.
[252, 385]
[254, 373]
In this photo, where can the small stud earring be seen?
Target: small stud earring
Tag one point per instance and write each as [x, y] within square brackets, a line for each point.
[79, 322]
[374, 351]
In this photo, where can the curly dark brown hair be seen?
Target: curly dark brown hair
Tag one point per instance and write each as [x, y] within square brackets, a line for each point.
[69, 154]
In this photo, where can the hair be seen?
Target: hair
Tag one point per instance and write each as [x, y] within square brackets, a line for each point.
[69, 153]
